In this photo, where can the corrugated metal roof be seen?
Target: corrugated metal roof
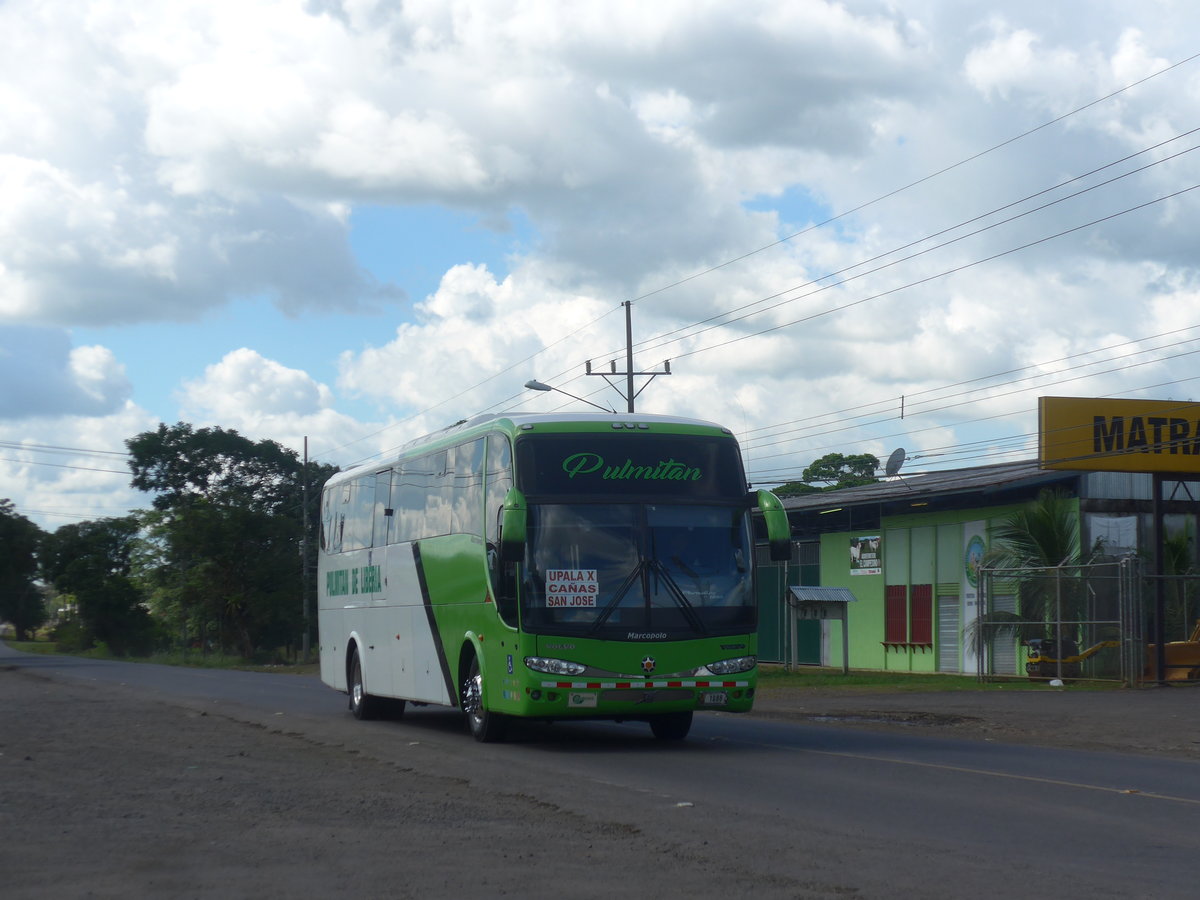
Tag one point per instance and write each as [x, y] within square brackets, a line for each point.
[981, 479]
[807, 594]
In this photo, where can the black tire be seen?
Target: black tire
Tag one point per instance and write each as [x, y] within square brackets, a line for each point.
[392, 707]
[485, 726]
[671, 726]
[362, 704]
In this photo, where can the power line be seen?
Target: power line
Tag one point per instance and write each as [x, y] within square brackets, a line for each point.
[54, 448]
[893, 400]
[920, 181]
[790, 237]
[910, 411]
[908, 433]
[843, 271]
[929, 278]
[31, 462]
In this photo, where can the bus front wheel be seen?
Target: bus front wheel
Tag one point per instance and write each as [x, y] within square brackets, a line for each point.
[362, 704]
[671, 726]
[485, 726]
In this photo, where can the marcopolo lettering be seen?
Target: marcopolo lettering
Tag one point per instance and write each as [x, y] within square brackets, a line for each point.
[1145, 434]
[664, 470]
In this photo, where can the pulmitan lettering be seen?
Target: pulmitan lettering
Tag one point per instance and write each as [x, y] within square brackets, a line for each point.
[663, 470]
[1146, 434]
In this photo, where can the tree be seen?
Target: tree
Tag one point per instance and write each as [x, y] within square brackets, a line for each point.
[840, 471]
[223, 552]
[834, 470]
[1179, 566]
[795, 489]
[92, 562]
[20, 601]
[181, 464]
[1038, 547]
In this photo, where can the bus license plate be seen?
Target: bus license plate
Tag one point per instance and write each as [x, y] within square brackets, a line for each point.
[714, 698]
[585, 701]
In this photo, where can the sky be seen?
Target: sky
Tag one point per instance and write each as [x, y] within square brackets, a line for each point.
[849, 227]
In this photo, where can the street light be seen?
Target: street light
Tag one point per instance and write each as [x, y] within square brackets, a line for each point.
[535, 385]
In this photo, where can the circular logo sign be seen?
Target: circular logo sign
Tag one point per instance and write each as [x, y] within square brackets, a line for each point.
[974, 559]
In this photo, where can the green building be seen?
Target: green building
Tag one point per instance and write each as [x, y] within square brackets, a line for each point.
[906, 550]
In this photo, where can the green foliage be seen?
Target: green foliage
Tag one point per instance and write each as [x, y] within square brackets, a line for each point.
[795, 489]
[1179, 564]
[181, 465]
[21, 604]
[1040, 544]
[1041, 534]
[833, 471]
[92, 561]
[220, 561]
[839, 471]
[70, 636]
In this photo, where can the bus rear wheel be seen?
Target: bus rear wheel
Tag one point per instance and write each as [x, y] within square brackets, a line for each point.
[485, 726]
[672, 726]
[362, 704]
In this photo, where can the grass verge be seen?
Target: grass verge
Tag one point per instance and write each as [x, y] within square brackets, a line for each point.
[779, 678]
[193, 659]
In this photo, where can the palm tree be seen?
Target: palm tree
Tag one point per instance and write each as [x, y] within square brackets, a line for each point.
[1179, 565]
[1037, 549]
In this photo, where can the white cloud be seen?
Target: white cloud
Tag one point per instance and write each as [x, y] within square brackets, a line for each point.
[262, 399]
[60, 469]
[159, 161]
[44, 377]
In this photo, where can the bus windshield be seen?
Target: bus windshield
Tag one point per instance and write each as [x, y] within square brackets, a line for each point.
[638, 571]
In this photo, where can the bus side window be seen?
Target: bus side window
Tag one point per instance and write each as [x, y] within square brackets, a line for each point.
[330, 539]
[499, 478]
[384, 515]
[358, 513]
[439, 472]
[468, 488]
[408, 499]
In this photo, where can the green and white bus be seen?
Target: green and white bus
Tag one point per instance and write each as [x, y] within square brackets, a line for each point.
[547, 567]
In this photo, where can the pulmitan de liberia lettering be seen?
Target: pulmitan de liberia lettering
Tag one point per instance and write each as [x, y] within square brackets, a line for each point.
[664, 470]
[1147, 434]
[344, 582]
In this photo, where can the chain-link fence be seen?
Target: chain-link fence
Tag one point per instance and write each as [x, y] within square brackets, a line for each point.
[1172, 622]
[1064, 622]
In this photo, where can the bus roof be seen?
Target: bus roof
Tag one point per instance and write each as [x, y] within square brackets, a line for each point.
[517, 422]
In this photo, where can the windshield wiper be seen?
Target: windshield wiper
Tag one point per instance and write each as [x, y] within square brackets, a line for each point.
[676, 594]
[633, 576]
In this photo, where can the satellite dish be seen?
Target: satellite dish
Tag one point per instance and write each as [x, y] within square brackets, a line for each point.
[895, 461]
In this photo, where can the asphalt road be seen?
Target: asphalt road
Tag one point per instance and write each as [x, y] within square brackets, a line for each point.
[886, 812]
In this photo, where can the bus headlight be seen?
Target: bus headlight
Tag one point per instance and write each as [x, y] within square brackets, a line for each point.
[554, 666]
[733, 666]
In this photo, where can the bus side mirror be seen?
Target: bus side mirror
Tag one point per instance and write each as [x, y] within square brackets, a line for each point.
[779, 531]
[512, 527]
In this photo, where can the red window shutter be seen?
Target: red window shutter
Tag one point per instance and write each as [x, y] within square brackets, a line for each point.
[921, 613]
[896, 611]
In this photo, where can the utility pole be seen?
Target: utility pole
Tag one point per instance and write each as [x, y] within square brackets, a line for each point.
[629, 394]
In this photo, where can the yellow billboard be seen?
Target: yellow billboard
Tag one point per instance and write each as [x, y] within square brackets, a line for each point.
[1118, 435]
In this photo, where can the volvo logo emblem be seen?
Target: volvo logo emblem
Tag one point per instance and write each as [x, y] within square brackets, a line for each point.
[648, 665]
